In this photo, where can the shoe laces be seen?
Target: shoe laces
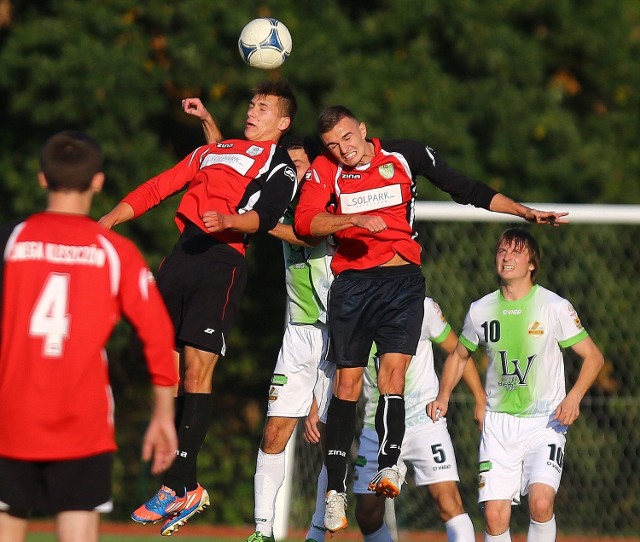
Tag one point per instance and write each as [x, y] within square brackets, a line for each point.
[164, 494]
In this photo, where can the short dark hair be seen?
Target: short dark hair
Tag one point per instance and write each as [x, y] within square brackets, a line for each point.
[333, 115]
[283, 90]
[299, 141]
[521, 238]
[69, 160]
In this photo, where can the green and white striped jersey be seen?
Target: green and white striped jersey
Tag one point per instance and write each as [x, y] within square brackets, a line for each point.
[523, 340]
[308, 277]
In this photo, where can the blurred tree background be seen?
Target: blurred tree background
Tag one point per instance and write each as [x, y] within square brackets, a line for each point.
[540, 99]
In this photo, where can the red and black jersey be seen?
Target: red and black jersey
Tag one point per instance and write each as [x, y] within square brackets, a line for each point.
[66, 280]
[385, 187]
[231, 177]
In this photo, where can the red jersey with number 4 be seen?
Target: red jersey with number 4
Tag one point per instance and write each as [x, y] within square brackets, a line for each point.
[66, 280]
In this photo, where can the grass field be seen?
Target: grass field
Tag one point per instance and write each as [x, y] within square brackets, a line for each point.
[43, 532]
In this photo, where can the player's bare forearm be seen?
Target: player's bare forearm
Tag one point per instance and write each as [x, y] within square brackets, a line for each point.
[119, 214]
[245, 223]
[593, 361]
[324, 224]
[451, 374]
[195, 107]
[286, 233]
[160, 440]
[503, 204]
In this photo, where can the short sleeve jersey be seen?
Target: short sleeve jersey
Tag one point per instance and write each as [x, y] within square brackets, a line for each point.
[308, 277]
[66, 280]
[421, 381]
[385, 187]
[232, 177]
[523, 340]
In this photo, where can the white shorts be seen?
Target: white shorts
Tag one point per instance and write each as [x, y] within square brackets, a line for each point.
[516, 452]
[301, 372]
[426, 446]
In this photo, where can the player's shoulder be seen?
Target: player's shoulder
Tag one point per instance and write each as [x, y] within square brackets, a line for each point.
[486, 301]
[401, 145]
[550, 298]
[121, 243]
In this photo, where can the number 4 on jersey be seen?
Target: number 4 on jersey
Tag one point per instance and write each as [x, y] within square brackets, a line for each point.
[50, 316]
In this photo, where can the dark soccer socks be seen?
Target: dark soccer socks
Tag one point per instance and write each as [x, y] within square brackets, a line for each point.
[196, 418]
[390, 428]
[341, 429]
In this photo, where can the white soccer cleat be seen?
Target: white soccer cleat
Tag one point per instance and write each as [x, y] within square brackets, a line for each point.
[335, 514]
[387, 482]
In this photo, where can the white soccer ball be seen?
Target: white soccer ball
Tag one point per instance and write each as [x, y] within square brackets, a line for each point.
[265, 43]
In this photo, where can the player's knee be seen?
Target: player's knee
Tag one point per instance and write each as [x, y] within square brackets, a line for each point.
[541, 509]
[449, 505]
[496, 519]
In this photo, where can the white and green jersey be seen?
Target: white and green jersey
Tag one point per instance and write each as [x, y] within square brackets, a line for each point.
[421, 382]
[308, 277]
[525, 376]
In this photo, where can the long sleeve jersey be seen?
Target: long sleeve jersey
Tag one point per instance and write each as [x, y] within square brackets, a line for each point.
[232, 177]
[385, 187]
[66, 281]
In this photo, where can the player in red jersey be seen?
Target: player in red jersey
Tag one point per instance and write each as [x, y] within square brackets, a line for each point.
[234, 188]
[66, 280]
[377, 295]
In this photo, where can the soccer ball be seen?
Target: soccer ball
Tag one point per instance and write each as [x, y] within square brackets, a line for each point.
[265, 43]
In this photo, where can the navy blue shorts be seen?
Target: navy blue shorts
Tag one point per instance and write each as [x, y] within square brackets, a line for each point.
[384, 305]
[50, 487]
[202, 282]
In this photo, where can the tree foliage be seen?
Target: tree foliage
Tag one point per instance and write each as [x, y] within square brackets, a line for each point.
[540, 99]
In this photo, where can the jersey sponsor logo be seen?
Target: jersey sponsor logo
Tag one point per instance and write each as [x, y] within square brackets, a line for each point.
[369, 200]
[237, 162]
[273, 394]
[387, 171]
[254, 150]
[56, 253]
[510, 312]
[279, 380]
[518, 376]
[224, 145]
[351, 176]
[536, 329]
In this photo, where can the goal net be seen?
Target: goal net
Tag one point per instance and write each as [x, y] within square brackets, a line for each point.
[595, 263]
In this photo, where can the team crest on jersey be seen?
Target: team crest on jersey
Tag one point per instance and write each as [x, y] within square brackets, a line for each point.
[254, 150]
[386, 170]
[536, 329]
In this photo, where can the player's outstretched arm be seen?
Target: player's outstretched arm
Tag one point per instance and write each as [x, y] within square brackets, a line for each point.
[160, 440]
[502, 204]
[451, 374]
[119, 214]
[592, 362]
[195, 107]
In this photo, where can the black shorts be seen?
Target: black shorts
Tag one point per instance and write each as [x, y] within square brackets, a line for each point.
[384, 305]
[50, 487]
[201, 282]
